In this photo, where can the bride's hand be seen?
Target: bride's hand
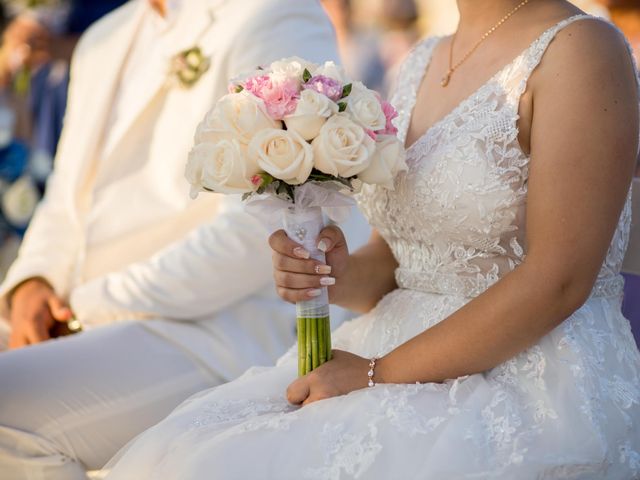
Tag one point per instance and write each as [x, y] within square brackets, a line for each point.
[299, 277]
[343, 374]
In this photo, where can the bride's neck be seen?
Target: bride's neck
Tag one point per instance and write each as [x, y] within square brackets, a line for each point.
[480, 15]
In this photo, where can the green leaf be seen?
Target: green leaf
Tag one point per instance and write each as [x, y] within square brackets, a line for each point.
[306, 75]
[246, 196]
[346, 90]
[318, 176]
[266, 179]
[342, 106]
[239, 88]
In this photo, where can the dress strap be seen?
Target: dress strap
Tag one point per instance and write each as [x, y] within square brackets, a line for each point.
[408, 82]
[518, 76]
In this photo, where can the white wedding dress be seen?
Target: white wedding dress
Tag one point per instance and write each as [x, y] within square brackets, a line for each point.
[567, 408]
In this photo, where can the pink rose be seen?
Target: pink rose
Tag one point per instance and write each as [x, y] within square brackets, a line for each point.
[280, 98]
[326, 86]
[389, 113]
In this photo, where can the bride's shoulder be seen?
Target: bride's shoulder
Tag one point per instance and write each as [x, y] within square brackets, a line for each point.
[586, 56]
[589, 48]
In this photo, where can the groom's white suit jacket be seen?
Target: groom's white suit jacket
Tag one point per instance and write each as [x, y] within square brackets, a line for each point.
[142, 248]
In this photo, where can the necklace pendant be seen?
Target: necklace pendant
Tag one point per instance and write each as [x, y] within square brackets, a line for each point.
[445, 80]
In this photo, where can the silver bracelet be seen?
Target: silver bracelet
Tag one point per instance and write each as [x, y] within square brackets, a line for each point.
[371, 372]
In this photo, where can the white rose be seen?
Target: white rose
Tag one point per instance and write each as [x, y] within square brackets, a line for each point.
[292, 67]
[388, 160]
[193, 170]
[220, 167]
[20, 201]
[311, 113]
[331, 70]
[342, 148]
[236, 116]
[283, 154]
[365, 108]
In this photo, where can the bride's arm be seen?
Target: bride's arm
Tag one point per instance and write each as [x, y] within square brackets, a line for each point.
[361, 279]
[584, 139]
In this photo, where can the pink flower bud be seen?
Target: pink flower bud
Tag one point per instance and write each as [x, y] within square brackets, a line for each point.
[256, 180]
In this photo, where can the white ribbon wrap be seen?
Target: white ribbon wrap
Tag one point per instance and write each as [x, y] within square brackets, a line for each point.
[328, 196]
[304, 226]
[303, 221]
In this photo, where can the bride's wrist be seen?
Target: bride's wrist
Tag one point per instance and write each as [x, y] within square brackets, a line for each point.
[381, 370]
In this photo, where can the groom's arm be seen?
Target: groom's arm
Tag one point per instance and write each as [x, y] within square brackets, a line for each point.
[214, 267]
[228, 259]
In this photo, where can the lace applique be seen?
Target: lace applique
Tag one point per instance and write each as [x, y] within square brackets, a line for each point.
[236, 410]
[345, 450]
[455, 220]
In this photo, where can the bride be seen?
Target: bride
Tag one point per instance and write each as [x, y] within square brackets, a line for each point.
[490, 290]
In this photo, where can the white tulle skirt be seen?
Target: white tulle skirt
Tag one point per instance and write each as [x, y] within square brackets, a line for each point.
[567, 408]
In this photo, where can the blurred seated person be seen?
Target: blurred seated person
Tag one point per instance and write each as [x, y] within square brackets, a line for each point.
[173, 295]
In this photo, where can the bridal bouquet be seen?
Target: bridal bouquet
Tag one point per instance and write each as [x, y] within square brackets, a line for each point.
[297, 138]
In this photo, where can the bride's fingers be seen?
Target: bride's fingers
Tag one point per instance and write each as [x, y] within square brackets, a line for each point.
[298, 391]
[285, 246]
[292, 295]
[301, 280]
[288, 264]
[330, 237]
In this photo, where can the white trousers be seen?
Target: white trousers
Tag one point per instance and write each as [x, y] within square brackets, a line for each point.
[68, 405]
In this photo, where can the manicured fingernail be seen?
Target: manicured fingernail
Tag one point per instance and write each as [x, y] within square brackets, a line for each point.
[323, 245]
[327, 281]
[301, 253]
[314, 293]
[323, 269]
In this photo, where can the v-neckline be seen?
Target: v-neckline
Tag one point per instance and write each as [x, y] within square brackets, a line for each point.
[458, 106]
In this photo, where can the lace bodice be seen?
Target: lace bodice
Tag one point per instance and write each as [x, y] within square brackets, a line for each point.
[456, 219]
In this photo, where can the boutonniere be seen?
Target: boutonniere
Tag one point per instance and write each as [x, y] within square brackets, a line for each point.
[189, 65]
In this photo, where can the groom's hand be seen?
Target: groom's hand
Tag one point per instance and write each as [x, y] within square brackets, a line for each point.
[343, 374]
[35, 312]
[299, 277]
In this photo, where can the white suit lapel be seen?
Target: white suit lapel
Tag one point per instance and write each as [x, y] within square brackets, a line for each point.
[98, 87]
[190, 27]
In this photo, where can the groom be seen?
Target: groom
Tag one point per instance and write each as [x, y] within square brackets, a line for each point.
[184, 287]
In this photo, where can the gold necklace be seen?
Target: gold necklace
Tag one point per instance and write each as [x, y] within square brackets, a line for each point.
[452, 68]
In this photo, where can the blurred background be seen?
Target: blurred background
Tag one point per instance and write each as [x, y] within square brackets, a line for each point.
[38, 38]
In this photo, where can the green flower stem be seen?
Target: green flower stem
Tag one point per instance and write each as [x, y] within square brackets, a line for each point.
[328, 338]
[314, 343]
[322, 342]
[302, 347]
[309, 358]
